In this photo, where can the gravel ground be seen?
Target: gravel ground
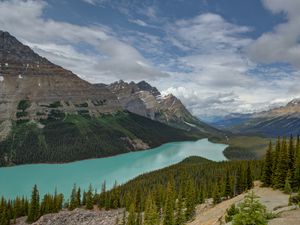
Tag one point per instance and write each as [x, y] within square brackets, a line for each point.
[213, 215]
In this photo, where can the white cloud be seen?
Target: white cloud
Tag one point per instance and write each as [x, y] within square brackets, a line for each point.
[58, 41]
[281, 44]
[139, 22]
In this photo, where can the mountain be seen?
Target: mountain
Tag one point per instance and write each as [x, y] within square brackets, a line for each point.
[281, 121]
[48, 114]
[143, 99]
[229, 120]
[30, 86]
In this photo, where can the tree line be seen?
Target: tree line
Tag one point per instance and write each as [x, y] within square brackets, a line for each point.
[282, 165]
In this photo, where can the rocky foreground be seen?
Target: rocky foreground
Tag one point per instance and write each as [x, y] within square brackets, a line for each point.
[78, 216]
[274, 200]
[206, 214]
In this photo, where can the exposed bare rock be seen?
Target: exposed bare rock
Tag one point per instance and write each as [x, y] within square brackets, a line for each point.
[143, 99]
[78, 217]
[24, 75]
[5, 128]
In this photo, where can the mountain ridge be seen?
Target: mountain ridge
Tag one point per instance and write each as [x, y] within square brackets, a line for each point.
[48, 114]
[279, 121]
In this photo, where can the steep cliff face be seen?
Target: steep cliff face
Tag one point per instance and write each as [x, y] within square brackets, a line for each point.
[143, 99]
[30, 86]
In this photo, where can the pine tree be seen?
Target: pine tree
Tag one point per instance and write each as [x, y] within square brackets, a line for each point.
[73, 204]
[227, 191]
[291, 154]
[296, 182]
[230, 213]
[268, 167]
[217, 194]
[89, 198]
[180, 216]
[151, 216]
[251, 212]
[79, 197]
[239, 185]
[275, 160]
[282, 168]
[249, 178]
[190, 201]
[34, 209]
[131, 216]
[287, 185]
[4, 219]
[169, 206]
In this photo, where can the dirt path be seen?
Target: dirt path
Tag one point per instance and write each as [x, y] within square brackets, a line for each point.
[212, 215]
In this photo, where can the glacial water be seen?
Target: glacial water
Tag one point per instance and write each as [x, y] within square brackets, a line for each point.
[19, 180]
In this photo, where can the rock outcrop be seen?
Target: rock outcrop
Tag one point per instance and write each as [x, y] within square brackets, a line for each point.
[78, 216]
[143, 99]
[30, 86]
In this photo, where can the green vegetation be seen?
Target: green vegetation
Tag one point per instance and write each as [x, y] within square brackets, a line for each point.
[250, 212]
[245, 147]
[282, 165]
[66, 138]
[167, 196]
[56, 104]
[21, 114]
[82, 105]
[23, 105]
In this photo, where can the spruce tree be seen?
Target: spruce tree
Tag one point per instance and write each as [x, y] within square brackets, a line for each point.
[169, 206]
[79, 196]
[190, 201]
[282, 168]
[268, 167]
[291, 154]
[131, 220]
[216, 194]
[249, 178]
[151, 216]
[296, 181]
[239, 184]
[180, 216]
[73, 203]
[287, 185]
[227, 191]
[275, 160]
[34, 209]
[230, 213]
[89, 198]
[251, 212]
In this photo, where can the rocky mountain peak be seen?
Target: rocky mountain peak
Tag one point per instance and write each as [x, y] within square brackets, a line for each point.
[294, 102]
[15, 53]
[27, 77]
[143, 85]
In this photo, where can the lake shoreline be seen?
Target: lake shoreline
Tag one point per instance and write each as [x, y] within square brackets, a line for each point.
[120, 168]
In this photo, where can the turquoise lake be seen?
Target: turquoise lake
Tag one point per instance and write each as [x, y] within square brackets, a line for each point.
[19, 180]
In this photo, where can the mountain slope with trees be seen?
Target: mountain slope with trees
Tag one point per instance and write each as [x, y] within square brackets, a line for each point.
[48, 114]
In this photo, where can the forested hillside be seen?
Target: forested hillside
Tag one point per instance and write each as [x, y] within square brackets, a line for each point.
[66, 138]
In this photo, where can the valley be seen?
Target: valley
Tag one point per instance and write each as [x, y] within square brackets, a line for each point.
[77, 149]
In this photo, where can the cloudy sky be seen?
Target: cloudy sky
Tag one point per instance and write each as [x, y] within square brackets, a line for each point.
[217, 56]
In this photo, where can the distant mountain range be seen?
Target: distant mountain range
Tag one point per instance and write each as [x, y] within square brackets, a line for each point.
[49, 114]
[281, 121]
